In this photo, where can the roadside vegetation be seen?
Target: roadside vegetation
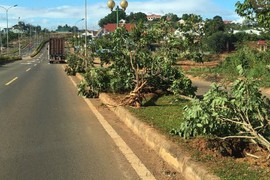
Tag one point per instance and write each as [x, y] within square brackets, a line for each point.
[8, 59]
[228, 129]
[254, 62]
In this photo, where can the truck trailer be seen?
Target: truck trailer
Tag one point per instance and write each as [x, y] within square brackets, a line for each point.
[56, 50]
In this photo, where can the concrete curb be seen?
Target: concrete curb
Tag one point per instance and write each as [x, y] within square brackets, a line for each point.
[166, 149]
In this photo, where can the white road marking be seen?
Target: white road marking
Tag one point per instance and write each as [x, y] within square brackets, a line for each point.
[28, 69]
[135, 162]
[35, 64]
[14, 79]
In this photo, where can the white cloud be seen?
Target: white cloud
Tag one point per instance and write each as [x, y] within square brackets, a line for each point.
[70, 14]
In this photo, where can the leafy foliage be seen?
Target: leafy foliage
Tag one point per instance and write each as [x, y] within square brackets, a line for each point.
[137, 17]
[65, 28]
[7, 59]
[183, 86]
[86, 91]
[254, 62]
[75, 64]
[214, 25]
[111, 18]
[96, 80]
[219, 42]
[240, 113]
[171, 17]
[191, 34]
[258, 10]
[138, 67]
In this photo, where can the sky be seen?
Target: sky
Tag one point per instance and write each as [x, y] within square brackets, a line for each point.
[51, 13]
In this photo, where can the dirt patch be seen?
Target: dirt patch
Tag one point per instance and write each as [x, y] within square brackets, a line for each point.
[214, 60]
[239, 150]
[188, 64]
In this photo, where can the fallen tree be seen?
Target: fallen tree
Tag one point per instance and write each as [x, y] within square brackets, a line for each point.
[241, 113]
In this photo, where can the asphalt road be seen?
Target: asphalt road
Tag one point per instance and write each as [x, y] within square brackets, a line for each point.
[47, 132]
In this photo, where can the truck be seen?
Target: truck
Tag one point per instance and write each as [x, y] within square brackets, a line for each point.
[56, 50]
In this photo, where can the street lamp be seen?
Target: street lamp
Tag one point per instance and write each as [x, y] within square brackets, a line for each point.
[76, 24]
[123, 4]
[6, 9]
[74, 29]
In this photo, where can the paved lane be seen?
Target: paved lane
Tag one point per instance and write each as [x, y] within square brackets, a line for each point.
[47, 132]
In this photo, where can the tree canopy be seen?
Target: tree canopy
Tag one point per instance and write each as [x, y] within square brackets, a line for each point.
[111, 18]
[137, 17]
[214, 25]
[170, 16]
[65, 28]
[258, 10]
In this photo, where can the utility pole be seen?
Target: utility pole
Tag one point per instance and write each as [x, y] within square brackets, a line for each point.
[6, 9]
[19, 38]
[85, 38]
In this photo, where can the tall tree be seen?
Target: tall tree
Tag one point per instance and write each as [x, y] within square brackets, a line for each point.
[111, 18]
[192, 31]
[214, 25]
[171, 17]
[258, 10]
[137, 17]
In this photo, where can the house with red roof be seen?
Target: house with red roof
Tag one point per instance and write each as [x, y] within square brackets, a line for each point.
[112, 27]
[262, 45]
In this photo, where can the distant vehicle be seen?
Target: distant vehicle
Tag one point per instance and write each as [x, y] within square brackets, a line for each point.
[56, 50]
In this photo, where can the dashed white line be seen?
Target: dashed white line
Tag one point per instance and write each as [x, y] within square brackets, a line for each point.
[14, 79]
[28, 69]
[35, 64]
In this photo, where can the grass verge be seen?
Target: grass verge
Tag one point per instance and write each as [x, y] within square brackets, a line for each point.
[166, 114]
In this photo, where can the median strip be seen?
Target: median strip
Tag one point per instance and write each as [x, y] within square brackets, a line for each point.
[11, 81]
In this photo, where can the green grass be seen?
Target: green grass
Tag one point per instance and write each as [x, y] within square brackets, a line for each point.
[165, 114]
[239, 171]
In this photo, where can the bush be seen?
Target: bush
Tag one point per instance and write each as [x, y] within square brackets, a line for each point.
[217, 42]
[241, 113]
[7, 59]
[96, 80]
[75, 64]
[254, 62]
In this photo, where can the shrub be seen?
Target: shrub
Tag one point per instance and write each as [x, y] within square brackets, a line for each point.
[241, 113]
